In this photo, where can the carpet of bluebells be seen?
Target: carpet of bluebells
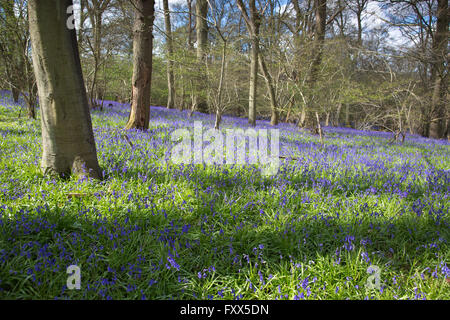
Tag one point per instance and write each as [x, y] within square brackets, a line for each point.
[152, 229]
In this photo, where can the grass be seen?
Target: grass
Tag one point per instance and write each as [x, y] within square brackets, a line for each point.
[155, 230]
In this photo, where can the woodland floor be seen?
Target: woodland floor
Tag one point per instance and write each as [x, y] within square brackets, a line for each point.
[156, 230]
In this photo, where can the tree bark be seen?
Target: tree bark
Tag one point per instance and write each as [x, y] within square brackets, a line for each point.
[336, 122]
[15, 94]
[200, 103]
[253, 81]
[439, 73]
[190, 44]
[142, 65]
[170, 76]
[220, 89]
[253, 23]
[67, 136]
[347, 115]
[95, 10]
[319, 34]
[271, 89]
[319, 39]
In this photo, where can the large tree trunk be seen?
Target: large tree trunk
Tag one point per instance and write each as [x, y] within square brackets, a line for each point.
[67, 136]
[439, 73]
[170, 77]
[200, 103]
[142, 64]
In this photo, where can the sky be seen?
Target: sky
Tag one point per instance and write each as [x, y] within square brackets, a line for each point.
[372, 19]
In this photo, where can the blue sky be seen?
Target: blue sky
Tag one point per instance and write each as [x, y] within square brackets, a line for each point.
[372, 18]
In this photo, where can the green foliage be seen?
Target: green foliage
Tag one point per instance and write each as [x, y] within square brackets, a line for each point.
[232, 233]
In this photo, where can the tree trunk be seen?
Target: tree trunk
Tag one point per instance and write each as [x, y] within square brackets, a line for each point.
[347, 115]
[31, 113]
[95, 16]
[253, 81]
[190, 44]
[67, 136]
[220, 89]
[319, 39]
[142, 64]
[338, 113]
[439, 73]
[359, 23]
[200, 103]
[15, 94]
[82, 20]
[253, 24]
[319, 34]
[170, 77]
[319, 128]
[271, 89]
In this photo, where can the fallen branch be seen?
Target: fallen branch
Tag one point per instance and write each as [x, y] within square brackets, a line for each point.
[76, 195]
[287, 158]
[127, 139]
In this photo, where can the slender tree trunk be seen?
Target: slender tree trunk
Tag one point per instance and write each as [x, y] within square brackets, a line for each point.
[302, 120]
[271, 89]
[347, 115]
[253, 81]
[97, 50]
[220, 89]
[142, 64]
[82, 20]
[15, 94]
[95, 16]
[439, 73]
[190, 44]
[319, 128]
[31, 112]
[359, 23]
[319, 34]
[338, 113]
[67, 136]
[170, 77]
[182, 95]
[253, 23]
[319, 39]
[200, 103]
